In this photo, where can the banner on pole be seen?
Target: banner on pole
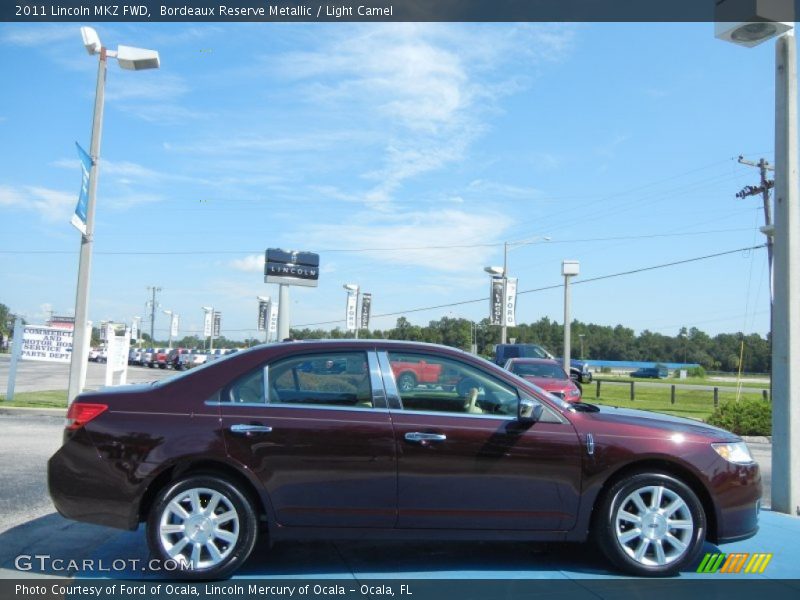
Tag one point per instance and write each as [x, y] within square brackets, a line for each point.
[510, 305]
[352, 299]
[135, 330]
[273, 318]
[217, 323]
[174, 326]
[263, 314]
[80, 215]
[496, 301]
[366, 309]
[207, 324]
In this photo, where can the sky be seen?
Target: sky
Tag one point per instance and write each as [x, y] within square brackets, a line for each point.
[405, 155]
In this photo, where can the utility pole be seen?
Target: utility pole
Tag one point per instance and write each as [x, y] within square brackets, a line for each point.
[768, 230]
[153, 306]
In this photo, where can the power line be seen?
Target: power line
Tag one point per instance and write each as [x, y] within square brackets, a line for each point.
[552, 287]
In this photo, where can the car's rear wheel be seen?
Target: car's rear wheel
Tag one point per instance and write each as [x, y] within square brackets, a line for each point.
[651, 524]
[406, 382]
[204, 524]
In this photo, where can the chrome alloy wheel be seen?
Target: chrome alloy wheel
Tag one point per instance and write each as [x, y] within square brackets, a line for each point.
[199, 528]
[654, 525]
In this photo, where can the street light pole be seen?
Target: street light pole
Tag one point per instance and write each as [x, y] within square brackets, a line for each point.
[80, 344]
[786, 313]
[128, 58]
[504, 329]
[569, 268]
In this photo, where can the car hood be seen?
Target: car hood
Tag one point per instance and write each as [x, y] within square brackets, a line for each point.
[550, 385]
[661, 422]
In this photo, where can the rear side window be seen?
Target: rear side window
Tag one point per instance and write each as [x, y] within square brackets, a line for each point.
[325, 379]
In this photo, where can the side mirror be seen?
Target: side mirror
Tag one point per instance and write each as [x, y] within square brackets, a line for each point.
[529, 411]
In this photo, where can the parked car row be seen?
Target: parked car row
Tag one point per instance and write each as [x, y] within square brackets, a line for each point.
[174, 358]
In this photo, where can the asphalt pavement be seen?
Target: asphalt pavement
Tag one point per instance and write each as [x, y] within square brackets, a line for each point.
[33, 376]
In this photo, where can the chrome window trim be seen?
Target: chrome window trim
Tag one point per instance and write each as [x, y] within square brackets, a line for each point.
[376, 381]
[392, 395]
[433, 413]
[301, 406]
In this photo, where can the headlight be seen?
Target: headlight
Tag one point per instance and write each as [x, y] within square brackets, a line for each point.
[574, 393]
[735, 452]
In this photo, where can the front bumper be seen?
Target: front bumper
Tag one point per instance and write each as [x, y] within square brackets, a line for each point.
[738, 497]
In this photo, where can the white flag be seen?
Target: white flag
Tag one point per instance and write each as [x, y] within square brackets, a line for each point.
[510, 304]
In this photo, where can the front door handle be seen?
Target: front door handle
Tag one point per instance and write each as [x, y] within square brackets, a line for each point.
[422, 438]
[245, 429]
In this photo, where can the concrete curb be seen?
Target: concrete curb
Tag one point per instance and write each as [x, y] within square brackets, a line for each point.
[32, 411]
[757, 439]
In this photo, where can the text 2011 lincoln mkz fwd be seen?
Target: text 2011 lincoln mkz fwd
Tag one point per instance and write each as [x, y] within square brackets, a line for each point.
[317, 440]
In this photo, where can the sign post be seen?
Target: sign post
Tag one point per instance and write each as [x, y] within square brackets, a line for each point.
[15, 354]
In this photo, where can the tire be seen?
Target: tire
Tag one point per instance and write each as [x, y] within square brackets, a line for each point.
[673, 519]
[233, 539]
[406, 382]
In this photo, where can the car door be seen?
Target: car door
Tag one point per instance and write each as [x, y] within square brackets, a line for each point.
[466, 462]
[315, 429]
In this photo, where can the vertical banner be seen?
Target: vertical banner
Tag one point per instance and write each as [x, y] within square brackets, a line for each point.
[117, 354]
[496, 301]
[273, 319]
[79, 217]
[366, 309]
[263, 314]
[217, 323]
[352, 299]
[135, 330]
[207, 324]
[173, 326]
[510, 305]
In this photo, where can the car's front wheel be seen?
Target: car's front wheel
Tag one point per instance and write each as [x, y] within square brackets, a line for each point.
[204, 524]
[651, 524]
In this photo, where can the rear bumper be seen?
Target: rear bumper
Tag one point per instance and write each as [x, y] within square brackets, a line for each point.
[84, 487]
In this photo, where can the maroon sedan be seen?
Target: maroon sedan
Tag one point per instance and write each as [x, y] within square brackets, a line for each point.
[547, 374]
[272, 443]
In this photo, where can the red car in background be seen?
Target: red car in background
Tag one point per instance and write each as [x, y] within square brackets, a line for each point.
[546, 374]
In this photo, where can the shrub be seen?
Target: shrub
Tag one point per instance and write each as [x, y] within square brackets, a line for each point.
[605, 369]
[696, 372]
[752, 416]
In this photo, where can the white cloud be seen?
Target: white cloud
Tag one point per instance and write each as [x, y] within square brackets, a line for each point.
[253, 263]
[417, 238]
[51, 205]
[40, 35]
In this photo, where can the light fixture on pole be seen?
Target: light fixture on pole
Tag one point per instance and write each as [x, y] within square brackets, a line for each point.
[569, 269]
[352, 307]
[132, 59]
[785, 326]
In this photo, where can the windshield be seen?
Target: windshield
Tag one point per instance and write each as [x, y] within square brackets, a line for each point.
[533, 352]
[545, 370]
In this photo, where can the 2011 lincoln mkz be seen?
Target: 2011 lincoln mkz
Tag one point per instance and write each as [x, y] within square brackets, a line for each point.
[316, 440]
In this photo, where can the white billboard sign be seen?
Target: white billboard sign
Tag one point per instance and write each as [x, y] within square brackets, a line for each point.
[46, 344]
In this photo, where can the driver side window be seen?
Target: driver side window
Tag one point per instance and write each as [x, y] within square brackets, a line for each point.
[436, 384]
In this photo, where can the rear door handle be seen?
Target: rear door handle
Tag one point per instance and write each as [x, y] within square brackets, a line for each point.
[417, 436]
[245, 429]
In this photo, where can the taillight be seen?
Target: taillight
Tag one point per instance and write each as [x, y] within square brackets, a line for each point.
[80, 413]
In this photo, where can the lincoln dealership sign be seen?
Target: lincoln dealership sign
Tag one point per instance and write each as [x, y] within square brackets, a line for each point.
[291, 267]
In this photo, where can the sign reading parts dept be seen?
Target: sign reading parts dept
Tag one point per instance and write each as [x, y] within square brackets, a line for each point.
[291, 267]
[46, 344]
